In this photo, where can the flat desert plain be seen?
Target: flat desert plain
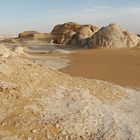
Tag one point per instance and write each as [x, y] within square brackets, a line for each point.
[119, 66]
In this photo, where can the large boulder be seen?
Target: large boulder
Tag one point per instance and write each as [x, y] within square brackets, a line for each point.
[83, 34]
[72, 33]
[64, 32]
[65, 28]
[113, 36]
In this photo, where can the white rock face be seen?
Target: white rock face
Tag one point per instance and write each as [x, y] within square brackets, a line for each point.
[82, 35]
[113, 36]
[72, 33]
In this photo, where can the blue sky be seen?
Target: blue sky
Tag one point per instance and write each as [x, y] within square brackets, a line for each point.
[41, 15]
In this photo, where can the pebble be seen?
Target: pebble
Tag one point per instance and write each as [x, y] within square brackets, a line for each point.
[34, 131]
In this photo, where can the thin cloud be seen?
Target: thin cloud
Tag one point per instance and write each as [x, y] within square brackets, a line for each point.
[97, 8]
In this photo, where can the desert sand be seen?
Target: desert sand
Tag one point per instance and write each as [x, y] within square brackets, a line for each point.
[120, 66]
[42, 104]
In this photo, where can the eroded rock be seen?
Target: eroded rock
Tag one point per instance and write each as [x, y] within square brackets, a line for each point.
[113, 36]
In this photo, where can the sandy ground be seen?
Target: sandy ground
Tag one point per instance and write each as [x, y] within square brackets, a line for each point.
[38, 103]
[42, 104]
[50, 61]
[49, 56]
[120, 66]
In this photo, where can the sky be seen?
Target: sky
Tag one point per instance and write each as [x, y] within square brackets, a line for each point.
[41, 15]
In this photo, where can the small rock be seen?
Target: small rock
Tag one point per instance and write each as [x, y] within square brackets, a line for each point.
[3, 123]
[34, 131]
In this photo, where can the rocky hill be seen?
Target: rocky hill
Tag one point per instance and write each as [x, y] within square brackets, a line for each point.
[82, 35]
[65, 32]
[40, 103]
[113, 36]
[73, 33]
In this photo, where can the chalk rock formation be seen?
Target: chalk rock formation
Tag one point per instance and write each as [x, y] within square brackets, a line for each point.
[83, 34]
[64, 32]
[72, 33]
[65, 28]
[113, 36]
[39, 103]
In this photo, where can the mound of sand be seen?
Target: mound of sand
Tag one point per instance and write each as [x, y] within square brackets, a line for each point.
[39, 103]
[113, 36]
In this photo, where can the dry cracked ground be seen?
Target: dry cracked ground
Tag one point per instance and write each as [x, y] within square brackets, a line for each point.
[37, 103]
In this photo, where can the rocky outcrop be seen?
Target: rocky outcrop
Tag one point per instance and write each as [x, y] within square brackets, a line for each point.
[65, 28]
[64, 32]
[113, 36]
[72, 33]
[28, 34]
[61, 34]
[83, 34]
